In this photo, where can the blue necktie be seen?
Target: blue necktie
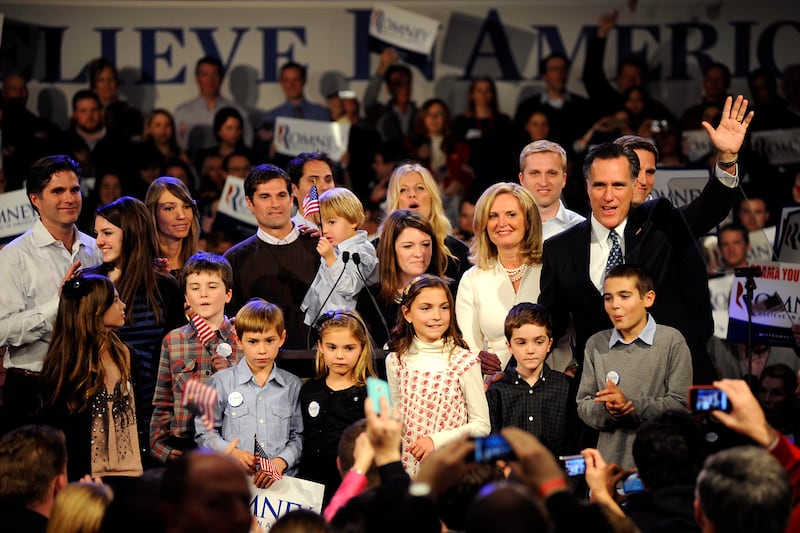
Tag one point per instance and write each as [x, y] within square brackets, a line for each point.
[615, 255]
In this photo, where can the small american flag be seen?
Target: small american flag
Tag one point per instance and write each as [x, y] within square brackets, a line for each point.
[264, 462]
[204, 331]
[311, 202]
[202, 397]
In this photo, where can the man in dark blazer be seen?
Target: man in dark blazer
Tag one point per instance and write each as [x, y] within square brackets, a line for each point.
[654, 235]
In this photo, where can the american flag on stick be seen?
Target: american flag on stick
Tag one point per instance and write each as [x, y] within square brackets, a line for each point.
[202, 397]
[204, 331]
[264, 462]
[311, 202]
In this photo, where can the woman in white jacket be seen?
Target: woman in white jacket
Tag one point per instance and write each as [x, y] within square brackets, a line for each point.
[507, 258]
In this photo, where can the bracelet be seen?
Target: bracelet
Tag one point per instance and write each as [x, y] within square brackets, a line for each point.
[727, 164]
[545, 489]
[357, 471]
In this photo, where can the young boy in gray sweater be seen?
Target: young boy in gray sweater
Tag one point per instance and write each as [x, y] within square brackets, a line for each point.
[633, 372]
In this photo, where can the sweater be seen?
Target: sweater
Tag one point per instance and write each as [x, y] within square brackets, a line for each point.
[281, 274]
[655, 377]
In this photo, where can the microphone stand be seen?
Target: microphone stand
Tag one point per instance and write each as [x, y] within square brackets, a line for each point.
[749, 273]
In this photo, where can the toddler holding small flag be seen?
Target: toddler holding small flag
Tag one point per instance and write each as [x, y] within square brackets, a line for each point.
[337, 283]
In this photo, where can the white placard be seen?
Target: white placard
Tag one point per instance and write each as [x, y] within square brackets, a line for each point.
[679, 185]
[284, 496]
[789, 246]
[403, 29]
[780, 147]
[16, 214]
[720, 291]
[296, 135]
[772, 321]
[233, 202]
[697, 144]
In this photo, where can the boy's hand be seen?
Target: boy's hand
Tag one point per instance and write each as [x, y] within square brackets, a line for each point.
[325, 250]
[219, 362]
[422, 448]
[263, 480]
[246, 459]
[616, 403]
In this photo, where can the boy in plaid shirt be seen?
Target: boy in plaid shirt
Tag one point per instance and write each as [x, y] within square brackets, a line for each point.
[194, 351]
[532, 396]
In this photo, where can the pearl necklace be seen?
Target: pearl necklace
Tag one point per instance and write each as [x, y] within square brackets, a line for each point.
[515, 274]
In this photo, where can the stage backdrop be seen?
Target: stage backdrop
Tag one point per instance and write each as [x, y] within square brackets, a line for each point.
[156, 43]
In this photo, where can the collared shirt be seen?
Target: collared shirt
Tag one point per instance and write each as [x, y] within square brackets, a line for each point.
[271, 413]
[299, 220]
[269, 239]
[555, 104]
[305, 110]
[599, 249]
[182, 358]
[646, 335]
[195, 123]
[33, 266]
[541, 409]
[563, 220]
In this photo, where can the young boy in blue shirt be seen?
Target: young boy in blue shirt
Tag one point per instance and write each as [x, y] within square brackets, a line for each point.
[633, 372]
[255, 397]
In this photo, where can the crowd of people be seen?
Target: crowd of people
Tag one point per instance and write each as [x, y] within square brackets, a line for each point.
[440, 254]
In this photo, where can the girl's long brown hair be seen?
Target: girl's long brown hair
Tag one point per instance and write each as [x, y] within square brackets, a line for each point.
[138, 254]
[72, 372]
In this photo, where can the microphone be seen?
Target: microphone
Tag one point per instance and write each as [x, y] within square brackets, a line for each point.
[224, 349]
[345, 259]
[747, 272]
[357, 262]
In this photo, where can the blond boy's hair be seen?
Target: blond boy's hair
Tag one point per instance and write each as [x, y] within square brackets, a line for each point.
[257, 316]
[341, 202]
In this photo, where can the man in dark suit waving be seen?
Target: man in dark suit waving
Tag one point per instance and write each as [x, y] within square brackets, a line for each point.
[654, 235]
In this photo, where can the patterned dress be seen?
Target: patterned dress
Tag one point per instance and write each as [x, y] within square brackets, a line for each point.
[431, 401]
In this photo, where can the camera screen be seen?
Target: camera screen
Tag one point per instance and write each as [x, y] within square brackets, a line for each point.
[711, 399]
[491, 448]
[575, 465]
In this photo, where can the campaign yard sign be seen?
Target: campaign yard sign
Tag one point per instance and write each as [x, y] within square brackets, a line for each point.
[776, 305]
[284, 496]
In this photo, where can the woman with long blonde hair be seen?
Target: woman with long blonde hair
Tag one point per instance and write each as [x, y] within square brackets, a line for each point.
[413, 187]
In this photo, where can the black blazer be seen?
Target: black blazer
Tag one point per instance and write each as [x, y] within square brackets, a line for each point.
[662, 240]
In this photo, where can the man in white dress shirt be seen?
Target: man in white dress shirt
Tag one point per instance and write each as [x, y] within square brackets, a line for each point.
[543, 171]
[33, 266]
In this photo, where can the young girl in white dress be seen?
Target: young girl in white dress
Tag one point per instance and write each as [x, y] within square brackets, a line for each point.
[434, 380]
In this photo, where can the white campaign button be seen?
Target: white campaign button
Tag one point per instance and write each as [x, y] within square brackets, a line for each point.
[313, 409]
[613, 377]
[235, 399]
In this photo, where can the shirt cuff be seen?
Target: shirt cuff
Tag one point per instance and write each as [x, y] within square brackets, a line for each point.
[727, 179]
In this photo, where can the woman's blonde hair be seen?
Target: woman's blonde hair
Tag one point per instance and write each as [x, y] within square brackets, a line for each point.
[438, 219]
[483, 251]
[350, 320]
[79, 508]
